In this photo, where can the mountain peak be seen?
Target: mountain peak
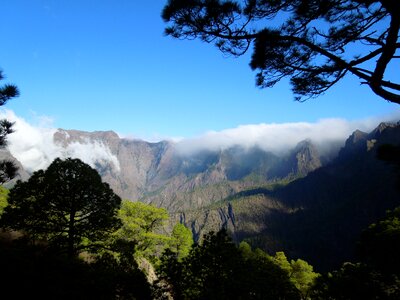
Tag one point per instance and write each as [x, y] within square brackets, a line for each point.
[356, 137]
[64, 137]
[383, 127]
[306, 157]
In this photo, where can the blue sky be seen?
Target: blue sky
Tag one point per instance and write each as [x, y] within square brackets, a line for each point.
[106, 65]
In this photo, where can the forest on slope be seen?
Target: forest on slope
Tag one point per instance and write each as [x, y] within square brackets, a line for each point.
[55, 243]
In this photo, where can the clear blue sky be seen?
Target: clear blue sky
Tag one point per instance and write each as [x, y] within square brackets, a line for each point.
[105, 65]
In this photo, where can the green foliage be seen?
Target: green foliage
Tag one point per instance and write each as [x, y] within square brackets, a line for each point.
[378, 275]
[64, 205]
[216, 269]
[314, 43]
[181, 240]
[355, 281]
[281, 260]
[3, 199]
[303, 276]
[301, 273]
[142, 225]
[379, 245]
[245, 250]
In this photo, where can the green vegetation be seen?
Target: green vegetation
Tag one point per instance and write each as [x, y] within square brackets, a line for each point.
[3, 199]
[66, 209]
[59, 213]
[376, 275]
[252, 190]
[66, 237]
[356, 281]
[181, 241]
[142, 226]
[217, 269]
[300, 273]
[379, 244]
[68, 206]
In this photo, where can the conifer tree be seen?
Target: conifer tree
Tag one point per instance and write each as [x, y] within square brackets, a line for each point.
[8, 169]
[315, 43]
[66, 205]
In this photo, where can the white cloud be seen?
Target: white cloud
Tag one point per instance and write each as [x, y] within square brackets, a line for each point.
[280, 137]
[35, 148]
[91, 152]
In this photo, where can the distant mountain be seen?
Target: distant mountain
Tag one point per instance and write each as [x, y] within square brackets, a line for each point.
[159, 173]
[310, 205]
[318, 217]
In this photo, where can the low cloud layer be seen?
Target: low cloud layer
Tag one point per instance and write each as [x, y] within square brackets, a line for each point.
[281, 137]
[35, 148]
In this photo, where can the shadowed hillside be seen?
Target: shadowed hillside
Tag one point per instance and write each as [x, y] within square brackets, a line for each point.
[318, 217]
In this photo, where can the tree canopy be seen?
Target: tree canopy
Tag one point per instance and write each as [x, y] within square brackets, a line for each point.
[181, 240]
[300, 273]
[141, 225]
[8, 169]
[315, 43]
[355, 281]
[217, 269]
[3, 199]
[67, 205]
[379, 244]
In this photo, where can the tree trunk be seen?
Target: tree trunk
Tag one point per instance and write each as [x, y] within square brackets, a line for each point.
[71, 235]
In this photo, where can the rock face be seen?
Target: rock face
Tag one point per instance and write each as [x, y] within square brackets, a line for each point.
[307, 158]
[133, 167]
[21, 175]
[318, 217]
[298, 202]
[158, 173]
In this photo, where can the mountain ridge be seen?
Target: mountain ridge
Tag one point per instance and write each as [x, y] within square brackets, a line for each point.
[159, 173]
[301, 202]
[318, 217]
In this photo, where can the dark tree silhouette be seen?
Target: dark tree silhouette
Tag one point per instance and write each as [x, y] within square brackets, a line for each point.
[8, 169]
[391, 154]
[32, 272]
[355, 281]
[379, 245]
[65, 205]
[377, 275]
[216, 269]
[315, 43]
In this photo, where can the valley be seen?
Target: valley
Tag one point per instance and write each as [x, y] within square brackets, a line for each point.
[309, 203]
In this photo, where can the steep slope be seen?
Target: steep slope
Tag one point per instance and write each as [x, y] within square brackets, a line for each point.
[133, 164]
[209, 177]
[159, 173]
[318, 217]
[21, 174]
[292, 201]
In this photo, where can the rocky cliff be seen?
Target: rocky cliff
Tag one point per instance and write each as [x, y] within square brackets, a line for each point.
[297, 201]
[159, 173]
[318, 217]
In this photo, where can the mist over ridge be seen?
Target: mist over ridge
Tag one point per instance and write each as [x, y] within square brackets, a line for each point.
[276, 138]
[35, 147]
